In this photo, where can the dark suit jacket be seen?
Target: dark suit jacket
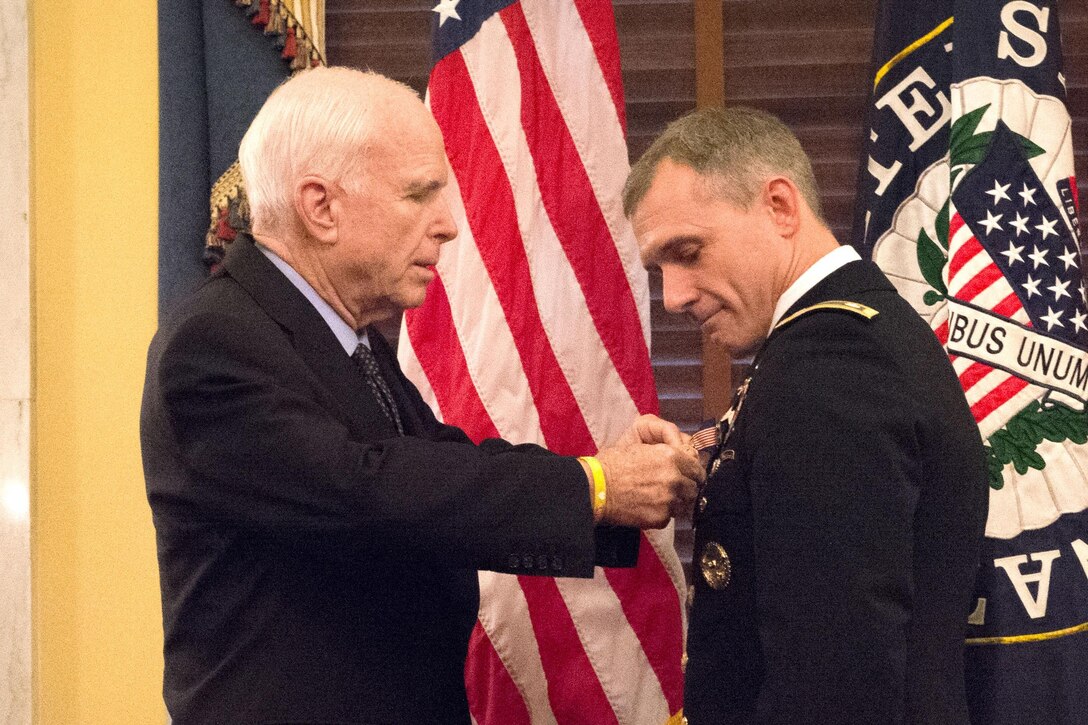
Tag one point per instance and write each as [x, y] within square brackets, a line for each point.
[316, 567]
[852, 508]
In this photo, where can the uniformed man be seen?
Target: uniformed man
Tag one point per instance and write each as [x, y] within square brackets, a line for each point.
[838, 532]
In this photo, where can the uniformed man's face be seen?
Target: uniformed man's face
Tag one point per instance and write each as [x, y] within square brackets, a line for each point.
[720, 264]
[392, 229]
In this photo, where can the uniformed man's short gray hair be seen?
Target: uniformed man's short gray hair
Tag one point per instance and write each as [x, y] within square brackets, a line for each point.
[736, 149]
[317, 122]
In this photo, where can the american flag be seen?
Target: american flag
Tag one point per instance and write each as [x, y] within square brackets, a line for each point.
[537, 329]
[1011, 252]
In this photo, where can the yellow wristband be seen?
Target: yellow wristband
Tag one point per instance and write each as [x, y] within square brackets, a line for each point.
[599, 490]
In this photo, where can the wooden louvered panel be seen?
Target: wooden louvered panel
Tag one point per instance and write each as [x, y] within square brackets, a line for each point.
[657, 59]
[807, 63]
[391, 37]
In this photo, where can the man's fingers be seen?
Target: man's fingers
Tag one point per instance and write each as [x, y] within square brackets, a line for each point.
[652, 429]
[687, 462]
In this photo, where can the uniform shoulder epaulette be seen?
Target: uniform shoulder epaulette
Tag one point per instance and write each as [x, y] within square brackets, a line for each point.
[855, 308]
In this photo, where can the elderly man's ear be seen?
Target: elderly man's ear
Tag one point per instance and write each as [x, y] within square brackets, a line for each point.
[317, 207]
[783, 201]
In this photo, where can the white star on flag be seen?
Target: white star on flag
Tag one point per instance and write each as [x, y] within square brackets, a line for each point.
[1031, 286]
[991, 221]
[1053, 318]
[1013, 253]
[446, 9]
[1059, 289]
[1070, 258]
[1078, 321]
[1021, 224]
[998, 192]
[1047, 227]
[1028, 195]
[1039, 257]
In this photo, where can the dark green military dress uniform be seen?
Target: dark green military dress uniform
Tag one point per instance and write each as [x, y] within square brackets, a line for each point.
[838, 532]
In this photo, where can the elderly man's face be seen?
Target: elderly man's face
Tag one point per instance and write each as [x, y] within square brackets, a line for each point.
[393, 228]
[719, 263]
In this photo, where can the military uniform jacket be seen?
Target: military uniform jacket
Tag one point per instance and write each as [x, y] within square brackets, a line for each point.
[315, 566]
[840, 527]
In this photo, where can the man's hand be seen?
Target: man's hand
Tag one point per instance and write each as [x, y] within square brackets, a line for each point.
[647, 484]
[651, 429]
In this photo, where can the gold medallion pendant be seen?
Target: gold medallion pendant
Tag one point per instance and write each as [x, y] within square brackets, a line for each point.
[715, 566]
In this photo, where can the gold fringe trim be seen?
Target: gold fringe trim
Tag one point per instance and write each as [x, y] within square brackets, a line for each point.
[229, 213]
[300, 29]
[300, 23]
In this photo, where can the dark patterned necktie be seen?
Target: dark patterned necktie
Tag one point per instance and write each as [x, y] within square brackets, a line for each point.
[368, 364]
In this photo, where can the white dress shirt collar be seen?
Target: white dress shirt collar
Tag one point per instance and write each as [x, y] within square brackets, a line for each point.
[811, 277]
[349, 339]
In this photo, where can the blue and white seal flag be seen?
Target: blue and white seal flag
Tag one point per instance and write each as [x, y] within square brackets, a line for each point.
[968, 200]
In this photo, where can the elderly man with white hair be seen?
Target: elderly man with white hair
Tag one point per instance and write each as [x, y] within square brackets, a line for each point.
[318, 529]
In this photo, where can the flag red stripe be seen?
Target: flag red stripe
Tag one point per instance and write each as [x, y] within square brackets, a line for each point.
[434, 339]
[577, 220]
[600, 23]
[954, 225]
[655, 618]
[575, 693]
[1008, 306]
[963, 255]
[491, 691]
[970, 377]
[980, 282]
[492, 217]
[942, 332]
[997, 397]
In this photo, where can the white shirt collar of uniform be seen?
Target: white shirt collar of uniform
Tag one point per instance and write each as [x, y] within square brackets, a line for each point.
[818, 272]
[348, 338]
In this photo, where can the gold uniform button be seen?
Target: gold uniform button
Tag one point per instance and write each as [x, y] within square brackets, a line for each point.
[702, 504]
[715, 566]
[683, 661]
[714, 466]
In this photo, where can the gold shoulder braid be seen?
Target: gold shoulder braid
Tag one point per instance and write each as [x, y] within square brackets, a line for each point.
[840, 305]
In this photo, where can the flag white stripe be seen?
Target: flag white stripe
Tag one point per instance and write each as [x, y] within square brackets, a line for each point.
[411, 367]
[614, 650]
[578, 84]
[606, 405]
[489, 348]
[504, 615]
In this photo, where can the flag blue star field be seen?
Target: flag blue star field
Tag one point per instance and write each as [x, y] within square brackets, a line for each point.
[536, 329]
[968, 201]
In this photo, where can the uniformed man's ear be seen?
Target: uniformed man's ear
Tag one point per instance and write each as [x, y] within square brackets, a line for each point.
[783, 201]
[316, 206]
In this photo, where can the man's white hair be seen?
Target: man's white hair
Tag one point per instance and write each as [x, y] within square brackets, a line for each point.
[320, 121]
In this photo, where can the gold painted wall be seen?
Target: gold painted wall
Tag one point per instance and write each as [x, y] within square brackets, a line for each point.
[94, 134]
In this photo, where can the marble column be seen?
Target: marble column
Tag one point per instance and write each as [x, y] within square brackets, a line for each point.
[15, 673]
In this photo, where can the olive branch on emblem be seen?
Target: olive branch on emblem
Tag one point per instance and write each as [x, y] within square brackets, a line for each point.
[1017, 441]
